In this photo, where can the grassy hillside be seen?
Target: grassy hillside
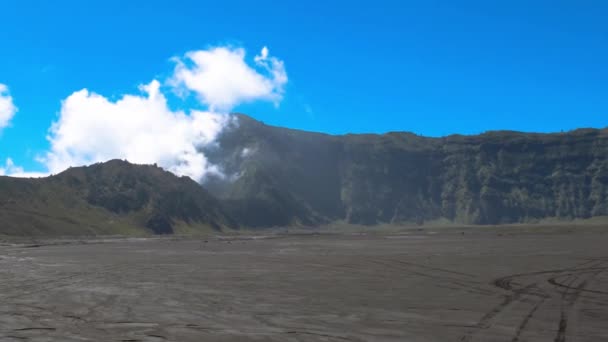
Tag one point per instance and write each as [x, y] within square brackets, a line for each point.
[110, 198]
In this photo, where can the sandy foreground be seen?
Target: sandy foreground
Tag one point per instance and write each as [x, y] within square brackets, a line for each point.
[419, 285]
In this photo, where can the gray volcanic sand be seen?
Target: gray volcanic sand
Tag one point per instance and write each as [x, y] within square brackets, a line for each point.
[484, 285]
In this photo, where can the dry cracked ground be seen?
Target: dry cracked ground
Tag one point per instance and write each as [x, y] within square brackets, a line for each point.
[507, 284]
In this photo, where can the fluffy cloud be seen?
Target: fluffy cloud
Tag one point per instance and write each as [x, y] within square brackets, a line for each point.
[10, 169]
[7, 108]
[138, 128]
[221, 77]
[141, 128]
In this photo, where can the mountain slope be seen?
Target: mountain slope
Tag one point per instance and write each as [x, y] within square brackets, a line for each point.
[110, 198]
[293, 177]
[282, 176]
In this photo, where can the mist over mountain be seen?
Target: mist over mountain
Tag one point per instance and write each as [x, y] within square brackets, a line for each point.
[282, 177]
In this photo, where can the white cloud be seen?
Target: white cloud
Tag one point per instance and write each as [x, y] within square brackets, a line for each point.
[221, 78]
[10, 169]
[7, 107]
[263, 55]
[142, 129]
[246, 152]
[138, 128]
[275, 67]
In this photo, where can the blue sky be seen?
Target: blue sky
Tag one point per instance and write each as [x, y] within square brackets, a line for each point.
[431, 67]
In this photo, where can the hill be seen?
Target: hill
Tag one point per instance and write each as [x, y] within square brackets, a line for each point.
[108, 198]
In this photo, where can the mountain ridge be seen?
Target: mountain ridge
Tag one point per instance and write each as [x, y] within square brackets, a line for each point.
[115, 197]
[417, 178]
[247, 118]
[285, 177]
